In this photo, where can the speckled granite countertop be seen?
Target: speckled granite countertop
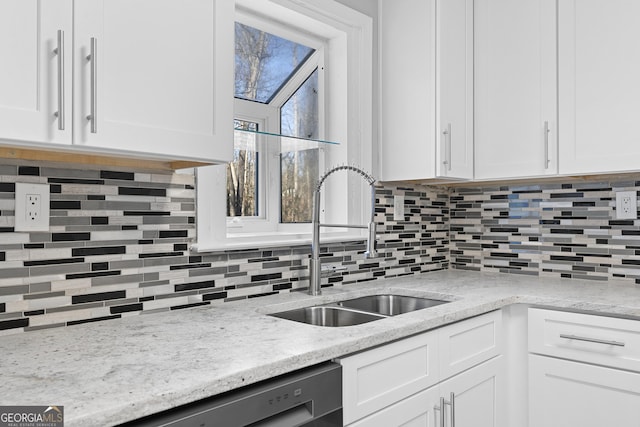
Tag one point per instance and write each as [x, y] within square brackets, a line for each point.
[110, 372]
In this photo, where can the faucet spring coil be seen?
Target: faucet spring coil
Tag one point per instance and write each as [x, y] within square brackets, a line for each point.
[370, 179]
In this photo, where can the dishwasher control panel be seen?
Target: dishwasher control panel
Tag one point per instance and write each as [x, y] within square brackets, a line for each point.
[292, 399]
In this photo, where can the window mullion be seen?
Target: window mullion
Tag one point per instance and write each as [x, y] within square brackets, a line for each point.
[296, 80]
[272, 191]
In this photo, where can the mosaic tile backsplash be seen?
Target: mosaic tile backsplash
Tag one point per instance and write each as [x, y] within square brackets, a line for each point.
[118, 245]
[565, 230]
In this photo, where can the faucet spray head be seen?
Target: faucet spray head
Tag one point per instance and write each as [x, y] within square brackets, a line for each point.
[371, 242]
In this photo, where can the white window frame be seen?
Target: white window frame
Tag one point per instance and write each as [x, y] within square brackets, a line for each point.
[347, 117]
[264, 116]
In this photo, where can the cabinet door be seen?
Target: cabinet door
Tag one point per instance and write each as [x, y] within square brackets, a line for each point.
[31, 83]
[385, 375]
[469, 343]
[426, 54]
[564, 393]
[415, 411]
[454, 88]
[476, 396]
[164, 77]
[407, 73]
[599, 65]
[515, 88]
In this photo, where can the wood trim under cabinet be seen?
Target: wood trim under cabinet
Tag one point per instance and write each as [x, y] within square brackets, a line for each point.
[97, 159]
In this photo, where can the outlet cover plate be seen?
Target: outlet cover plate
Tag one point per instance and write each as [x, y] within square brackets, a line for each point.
[24, 221]
[626, 205]
[398, 208]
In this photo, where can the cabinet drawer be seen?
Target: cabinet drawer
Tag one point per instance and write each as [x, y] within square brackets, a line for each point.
[380, 377]
[594, 339]
[469, 343]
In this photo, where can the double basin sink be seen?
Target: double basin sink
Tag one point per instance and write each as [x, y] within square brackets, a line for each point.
[358, 310]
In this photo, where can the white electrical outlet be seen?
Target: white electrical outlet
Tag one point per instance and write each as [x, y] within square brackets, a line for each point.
[32, 207]
[398, 208]
[626, 205]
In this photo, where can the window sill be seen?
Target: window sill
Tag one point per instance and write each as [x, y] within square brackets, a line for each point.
[263, 241]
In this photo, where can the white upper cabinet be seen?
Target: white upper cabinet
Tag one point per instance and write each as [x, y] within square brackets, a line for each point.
[426, 53]
[599, 95]
[34, 78]
[515, 88]
[454, 88]
[407, 106]
[157, 77]
[150, 78]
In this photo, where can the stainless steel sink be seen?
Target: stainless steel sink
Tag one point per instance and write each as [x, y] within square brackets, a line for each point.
[328, 316]
[358, 310]
[390, 305]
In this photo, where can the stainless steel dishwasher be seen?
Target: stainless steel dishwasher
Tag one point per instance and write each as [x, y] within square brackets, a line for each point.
[308, 397]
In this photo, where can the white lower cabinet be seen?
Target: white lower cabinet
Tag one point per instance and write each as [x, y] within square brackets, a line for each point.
[407, 382]
[470, 399]
[565, 393]
[583, 370]
[476, 396]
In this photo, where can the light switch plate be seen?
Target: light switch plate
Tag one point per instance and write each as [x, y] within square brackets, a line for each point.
[32, 207]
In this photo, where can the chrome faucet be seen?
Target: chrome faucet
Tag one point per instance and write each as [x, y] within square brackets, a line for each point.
[315, 272]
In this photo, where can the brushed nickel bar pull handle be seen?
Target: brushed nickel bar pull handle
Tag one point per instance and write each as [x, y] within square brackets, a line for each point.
[453, 408]
[60, 52]
[449, 159]
[546, 145]
[93, 57]
[594, 340]
[451, 403]
[447, 143]
[441, 408]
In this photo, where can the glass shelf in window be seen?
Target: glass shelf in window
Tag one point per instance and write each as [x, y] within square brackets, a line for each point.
[287, 143]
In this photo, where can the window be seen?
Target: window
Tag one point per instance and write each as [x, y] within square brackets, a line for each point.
[264, 62]
[303, 70]
[277, 82]
[242, 172]
[300, 168]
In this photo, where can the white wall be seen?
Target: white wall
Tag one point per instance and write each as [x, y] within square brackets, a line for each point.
[370, 8]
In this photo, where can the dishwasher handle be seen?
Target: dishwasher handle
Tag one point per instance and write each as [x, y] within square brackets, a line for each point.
[294, 416]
